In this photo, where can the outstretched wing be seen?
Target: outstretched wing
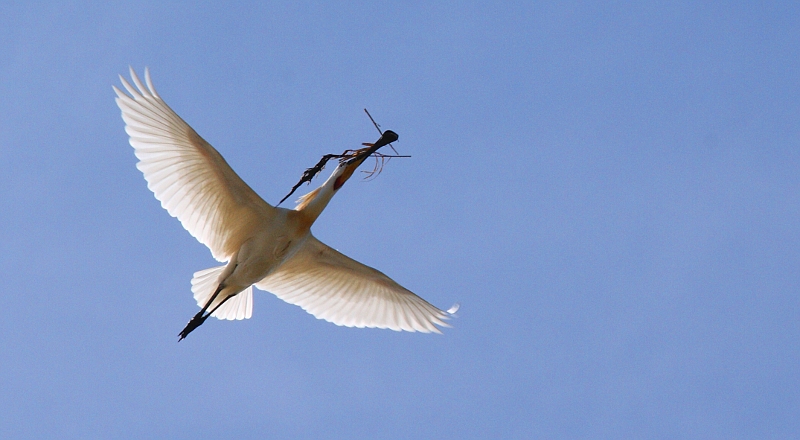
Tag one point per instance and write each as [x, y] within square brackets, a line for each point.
[338, 289]
[189, 177]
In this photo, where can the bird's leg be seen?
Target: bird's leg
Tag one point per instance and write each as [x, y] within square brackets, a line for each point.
[211, 300]
[198, 319]
[195, 322]
[220, 304]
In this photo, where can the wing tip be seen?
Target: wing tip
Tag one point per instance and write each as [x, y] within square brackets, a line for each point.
[453, 309]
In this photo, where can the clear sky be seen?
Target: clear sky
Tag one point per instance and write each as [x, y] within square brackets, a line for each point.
[610, 191]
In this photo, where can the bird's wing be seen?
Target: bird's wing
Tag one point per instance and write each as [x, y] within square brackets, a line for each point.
[336, 288]
[189, 177]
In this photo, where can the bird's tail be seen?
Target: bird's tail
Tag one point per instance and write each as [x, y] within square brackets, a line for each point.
[205, 282]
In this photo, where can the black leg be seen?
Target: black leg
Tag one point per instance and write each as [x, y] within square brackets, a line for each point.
[198, 319]
[220, 305]
[210, 300]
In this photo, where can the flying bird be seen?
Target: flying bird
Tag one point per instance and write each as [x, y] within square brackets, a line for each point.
[268, 247]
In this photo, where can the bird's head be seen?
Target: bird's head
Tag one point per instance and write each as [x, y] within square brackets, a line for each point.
[349, 165]
[314, 202]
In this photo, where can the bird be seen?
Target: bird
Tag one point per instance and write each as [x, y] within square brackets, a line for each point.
[263, 246]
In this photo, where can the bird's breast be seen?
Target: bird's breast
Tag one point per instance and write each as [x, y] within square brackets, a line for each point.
[266, 250]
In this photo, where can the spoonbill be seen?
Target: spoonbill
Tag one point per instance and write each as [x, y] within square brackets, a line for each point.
[268, 247]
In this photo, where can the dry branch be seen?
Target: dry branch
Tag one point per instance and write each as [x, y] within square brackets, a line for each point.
[349, 156]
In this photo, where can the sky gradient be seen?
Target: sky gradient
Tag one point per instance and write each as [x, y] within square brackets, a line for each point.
[610, 191]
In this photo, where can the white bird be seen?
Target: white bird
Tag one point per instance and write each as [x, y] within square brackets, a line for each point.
[264, 246]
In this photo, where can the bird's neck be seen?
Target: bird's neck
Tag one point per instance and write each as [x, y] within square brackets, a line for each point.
[312, 204]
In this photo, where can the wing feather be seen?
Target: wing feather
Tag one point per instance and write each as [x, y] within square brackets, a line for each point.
[338, 289]
[187, 175]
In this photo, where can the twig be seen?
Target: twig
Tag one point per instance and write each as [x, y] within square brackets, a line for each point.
[349, 156]
[386, 138]
[378, 127]
[309, 174]
[380, 161]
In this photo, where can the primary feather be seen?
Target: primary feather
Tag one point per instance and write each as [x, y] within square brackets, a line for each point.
[189, 177]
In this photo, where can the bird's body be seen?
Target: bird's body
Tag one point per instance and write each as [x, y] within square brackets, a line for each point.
[269, 247]
[263, 249]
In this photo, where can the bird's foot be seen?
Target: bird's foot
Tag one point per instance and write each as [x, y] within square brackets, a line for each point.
[196, 321]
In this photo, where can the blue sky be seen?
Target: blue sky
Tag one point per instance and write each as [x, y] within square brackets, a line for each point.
[610, 191]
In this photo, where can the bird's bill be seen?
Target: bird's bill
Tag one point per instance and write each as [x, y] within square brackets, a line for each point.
[360, 155]
[387, 137]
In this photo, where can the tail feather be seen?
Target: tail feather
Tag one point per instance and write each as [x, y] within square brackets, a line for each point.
[205, 282]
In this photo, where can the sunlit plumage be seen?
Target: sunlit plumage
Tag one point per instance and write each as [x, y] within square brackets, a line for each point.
[264, 246]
